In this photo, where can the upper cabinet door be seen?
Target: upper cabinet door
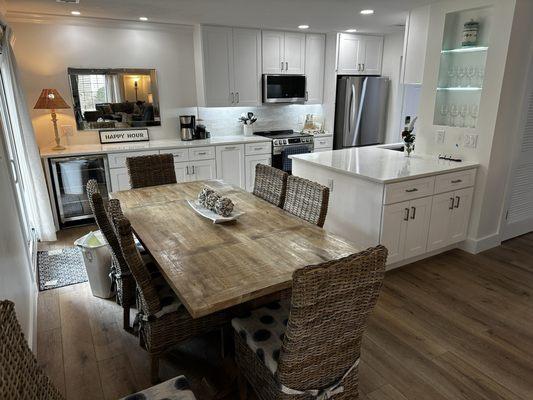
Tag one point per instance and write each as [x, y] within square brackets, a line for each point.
[315, 48]
[294, 53]
[348, 53]
[273, 46]
[217, 43]
[373, 55]
[247, 66]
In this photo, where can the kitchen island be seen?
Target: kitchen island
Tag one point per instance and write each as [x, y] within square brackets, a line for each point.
[415, 206]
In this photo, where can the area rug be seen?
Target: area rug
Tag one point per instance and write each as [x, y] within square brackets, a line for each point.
[62, 267]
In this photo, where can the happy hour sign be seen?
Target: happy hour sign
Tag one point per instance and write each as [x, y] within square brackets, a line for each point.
[126, 135]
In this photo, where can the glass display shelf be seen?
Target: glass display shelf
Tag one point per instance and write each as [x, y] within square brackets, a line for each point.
[465, 50]
[460, 89]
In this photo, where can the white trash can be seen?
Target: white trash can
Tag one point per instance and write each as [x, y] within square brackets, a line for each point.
[97, 257]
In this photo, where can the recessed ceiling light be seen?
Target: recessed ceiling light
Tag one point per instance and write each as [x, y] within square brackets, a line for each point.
[367, 12]
[143, 18]
[303, 26]
[351, 30]
[75, 13]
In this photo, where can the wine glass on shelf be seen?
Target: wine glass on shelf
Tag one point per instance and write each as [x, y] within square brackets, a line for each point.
[461, 72]
[451, 76]
[454, 113]
[470, 73]
[444, 111]
[463, 112]
[480, 75]
[474, 112]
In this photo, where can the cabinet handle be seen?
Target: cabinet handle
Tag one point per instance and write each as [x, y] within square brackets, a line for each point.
[363, 66]
[451, 203]
[457, 181]
[258, 148]
[187, 170]
[359, 67]
[230, 147]
[413, 212]
[411, 190]
[232, 98]
[458, 201]
[286, 65]
[306, 95]
[193, 171]
[202, 153]
[406, 217]
[282, 65]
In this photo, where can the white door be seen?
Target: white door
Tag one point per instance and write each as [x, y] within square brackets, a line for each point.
[230, 164]
[120, 179]
[294, 53]
[348, 48]
[182, 172]
[460, 216]
[250, 163]
[439, 225]
[272, 44]
[247, 66]
[218, 65]
[394, 225]
[315, 49]
[373, 55]
[416, 235]
[204, 170]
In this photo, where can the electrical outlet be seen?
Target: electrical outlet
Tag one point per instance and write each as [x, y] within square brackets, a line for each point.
[67, 130]
[440, 136]
[470, 140]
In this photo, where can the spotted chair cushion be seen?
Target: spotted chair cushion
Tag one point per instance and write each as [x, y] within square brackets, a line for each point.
[173, 389]
[168, 299]
[263, 330]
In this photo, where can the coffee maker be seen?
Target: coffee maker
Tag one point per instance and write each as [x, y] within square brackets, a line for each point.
[187, 127]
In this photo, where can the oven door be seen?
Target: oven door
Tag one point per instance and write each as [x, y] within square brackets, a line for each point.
[284, 88]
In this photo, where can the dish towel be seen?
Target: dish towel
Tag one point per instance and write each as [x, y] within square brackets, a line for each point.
[289, 151]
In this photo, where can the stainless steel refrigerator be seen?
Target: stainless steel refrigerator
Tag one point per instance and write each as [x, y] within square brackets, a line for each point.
[360, 111]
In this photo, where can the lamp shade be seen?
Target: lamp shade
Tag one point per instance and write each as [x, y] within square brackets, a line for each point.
[50, 99]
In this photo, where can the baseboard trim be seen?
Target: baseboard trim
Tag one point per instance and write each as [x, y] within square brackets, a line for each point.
[475, 246]
[420, 257]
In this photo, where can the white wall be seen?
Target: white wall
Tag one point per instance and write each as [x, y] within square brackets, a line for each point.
[46, 48]
[392, 63]
[16, 282]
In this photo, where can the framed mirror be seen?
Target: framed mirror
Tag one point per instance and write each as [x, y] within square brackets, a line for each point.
[114, 98]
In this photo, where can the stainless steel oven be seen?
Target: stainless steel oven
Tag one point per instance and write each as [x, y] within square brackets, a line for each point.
[70, 176]
[284, 88]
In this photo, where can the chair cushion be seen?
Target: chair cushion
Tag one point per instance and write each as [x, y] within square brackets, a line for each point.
[263, 330]
[168, 299]
[173, 389]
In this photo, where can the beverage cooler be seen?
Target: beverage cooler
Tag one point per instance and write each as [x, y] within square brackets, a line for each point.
[70, 176]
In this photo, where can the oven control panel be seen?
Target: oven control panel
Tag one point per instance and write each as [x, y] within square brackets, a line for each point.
[289, 141]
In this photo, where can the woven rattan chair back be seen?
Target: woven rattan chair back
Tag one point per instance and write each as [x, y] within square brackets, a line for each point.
[330, 306]
[152, 170]
[270, 184]
[147, 291]
[307, 200]
[20, 376]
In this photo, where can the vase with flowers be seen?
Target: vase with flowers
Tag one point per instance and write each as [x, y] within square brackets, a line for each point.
[247, 120]
[408, 136]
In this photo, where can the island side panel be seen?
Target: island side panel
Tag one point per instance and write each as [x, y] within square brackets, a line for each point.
[355, 204]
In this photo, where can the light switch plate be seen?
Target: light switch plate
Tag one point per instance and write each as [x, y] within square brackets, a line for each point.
[440, 136]
[470, 140]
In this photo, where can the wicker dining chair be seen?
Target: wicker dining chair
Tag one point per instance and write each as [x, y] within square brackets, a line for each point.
[21, 378]
[310, 348]
[163, 320]
[270, 184]
[152, 170]
[307, 200]
[124, 282]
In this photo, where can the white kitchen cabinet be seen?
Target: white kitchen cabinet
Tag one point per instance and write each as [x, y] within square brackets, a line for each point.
[323, 143]
[250, 163]
[203, 170]
[283, 52]
[182, 171]
[359, 54]
[228, 66]
[201, 164]
[120, 179]
[230, 164]
[315, 51]
[416, 235]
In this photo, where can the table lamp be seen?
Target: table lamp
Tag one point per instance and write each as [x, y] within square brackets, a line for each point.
[50, 99]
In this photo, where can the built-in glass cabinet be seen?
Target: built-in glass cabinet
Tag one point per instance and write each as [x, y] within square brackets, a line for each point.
[462, 68]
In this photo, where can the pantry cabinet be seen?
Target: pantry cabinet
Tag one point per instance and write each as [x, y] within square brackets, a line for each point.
[228, 66]
[283, 52]
[359, 54]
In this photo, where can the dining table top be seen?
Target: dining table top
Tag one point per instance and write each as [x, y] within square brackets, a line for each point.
[213, 267]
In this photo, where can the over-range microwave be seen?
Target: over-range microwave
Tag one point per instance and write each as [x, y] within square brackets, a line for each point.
[284, 88]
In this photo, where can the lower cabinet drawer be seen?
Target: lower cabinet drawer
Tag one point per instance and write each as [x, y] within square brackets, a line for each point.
[118, 160]
[202, 153]
[323, 142]
[258, 148]
[455, 180]
[409, 190]
[180, 155]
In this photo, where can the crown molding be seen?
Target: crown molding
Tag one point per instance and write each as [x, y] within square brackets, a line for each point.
[50, 19]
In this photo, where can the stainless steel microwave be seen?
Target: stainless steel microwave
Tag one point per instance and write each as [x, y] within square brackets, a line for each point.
[284, 88]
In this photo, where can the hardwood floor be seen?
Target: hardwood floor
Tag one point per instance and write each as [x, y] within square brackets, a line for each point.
[455, 326]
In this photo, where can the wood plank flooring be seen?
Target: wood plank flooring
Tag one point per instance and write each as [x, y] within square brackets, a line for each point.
[456, 326]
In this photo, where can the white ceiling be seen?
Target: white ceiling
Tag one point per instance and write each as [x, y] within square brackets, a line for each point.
[321, 15]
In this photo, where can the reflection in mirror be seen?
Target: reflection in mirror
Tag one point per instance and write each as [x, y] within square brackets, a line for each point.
[114, 98]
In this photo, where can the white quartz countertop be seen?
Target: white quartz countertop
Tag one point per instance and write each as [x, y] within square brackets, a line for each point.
[85, 149]
[380, 164]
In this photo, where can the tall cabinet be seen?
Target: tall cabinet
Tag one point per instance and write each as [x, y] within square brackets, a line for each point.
[359, 54]
[283, 52]
[228, 66]
[315, 54]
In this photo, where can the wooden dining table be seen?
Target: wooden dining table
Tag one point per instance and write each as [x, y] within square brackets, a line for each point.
[213, 267]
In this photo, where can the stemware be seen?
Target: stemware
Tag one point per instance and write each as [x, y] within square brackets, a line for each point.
[474, 112]
[444, 111]
[451, 76]
[463, 111]
[480, 75]
[461, 72]
[470, 73]
[454, 112]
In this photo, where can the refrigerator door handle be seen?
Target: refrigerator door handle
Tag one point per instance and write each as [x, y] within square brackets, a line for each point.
[360, 112]
[351, 109]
